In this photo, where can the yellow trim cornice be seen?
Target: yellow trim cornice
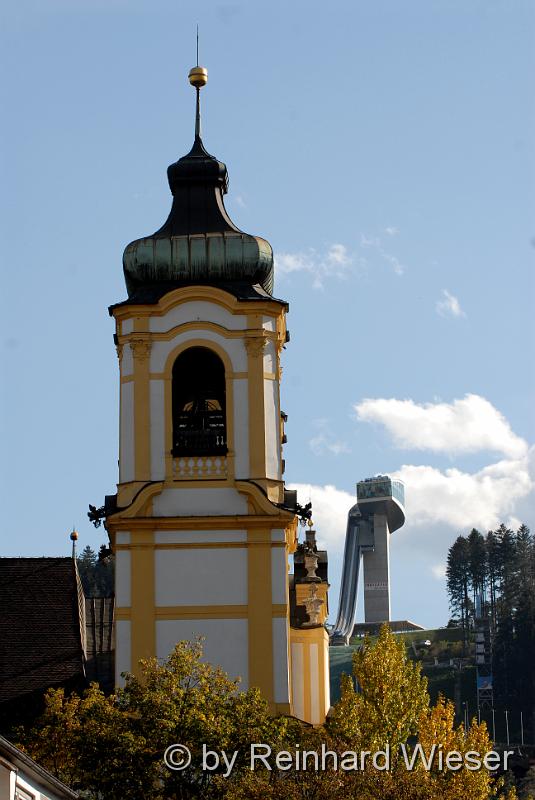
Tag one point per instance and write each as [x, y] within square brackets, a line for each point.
[253, 492]
[202, 612]
[184, 294]
[235, 376]
[185, 327]
[200, 545]
[224, 523]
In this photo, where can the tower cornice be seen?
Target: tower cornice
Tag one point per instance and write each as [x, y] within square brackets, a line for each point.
[270, 306]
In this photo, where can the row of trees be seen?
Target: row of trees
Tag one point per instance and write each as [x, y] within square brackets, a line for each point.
[494, 576]
[498, 568]
[112, 746]
[96, 571]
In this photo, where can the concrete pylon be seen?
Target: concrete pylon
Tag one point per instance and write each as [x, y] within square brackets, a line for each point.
[381, 501]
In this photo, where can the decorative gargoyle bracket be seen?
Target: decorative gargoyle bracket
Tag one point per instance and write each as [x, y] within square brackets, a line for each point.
[96, 515]
[304, 512]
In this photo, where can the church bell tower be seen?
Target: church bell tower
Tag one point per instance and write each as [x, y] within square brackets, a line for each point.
[202, 528]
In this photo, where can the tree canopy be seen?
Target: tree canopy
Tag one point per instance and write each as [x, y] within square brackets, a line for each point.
[494, 577]
[112, 747]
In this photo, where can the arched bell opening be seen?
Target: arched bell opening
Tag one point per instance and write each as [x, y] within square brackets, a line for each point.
[199, 404]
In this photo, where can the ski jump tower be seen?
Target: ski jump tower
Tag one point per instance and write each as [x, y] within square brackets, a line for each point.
[379, 511]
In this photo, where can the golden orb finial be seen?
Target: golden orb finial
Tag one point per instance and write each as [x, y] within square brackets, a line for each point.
[198, 76]
[74, 538]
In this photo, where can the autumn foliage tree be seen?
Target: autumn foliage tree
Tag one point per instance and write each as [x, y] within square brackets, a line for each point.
[391, 693]
[111, 748]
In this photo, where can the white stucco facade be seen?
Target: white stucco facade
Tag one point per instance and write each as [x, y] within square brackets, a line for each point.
[225, 642]
[201, 577]
[214, 563]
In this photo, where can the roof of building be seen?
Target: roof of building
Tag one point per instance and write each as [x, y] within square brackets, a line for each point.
[40, 631]
[31, 768]
[149, 294]
[396, 626]
[198, 243]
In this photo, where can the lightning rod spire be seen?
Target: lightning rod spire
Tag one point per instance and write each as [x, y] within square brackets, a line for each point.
[198, 77]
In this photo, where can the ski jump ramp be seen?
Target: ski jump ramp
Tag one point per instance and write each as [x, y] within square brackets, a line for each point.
[378, 512]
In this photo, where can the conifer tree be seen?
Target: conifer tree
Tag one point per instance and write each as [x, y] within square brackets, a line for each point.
[86, 563]
[493, 570]
[458, 581]
[477, 562]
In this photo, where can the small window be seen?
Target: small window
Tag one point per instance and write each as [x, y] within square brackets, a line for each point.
[199, 407]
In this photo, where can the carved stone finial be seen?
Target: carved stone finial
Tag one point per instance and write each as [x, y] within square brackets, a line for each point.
[311, 565]
[310, 535]
[313, 605]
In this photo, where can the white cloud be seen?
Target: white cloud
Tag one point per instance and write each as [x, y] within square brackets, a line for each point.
[329, 512]
[437, 502]
[454, 497]
[324, 441]
[464, 500]
[440, 503]
[449, 306]
[337, 255]
[369, 241]
[468, 425]
[396, 265]
[294, 262]
[374, 243]
[336, 261]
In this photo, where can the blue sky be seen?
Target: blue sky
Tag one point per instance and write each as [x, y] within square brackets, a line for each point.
[385, 149]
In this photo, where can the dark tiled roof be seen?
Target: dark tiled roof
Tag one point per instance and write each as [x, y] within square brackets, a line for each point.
[40, 635]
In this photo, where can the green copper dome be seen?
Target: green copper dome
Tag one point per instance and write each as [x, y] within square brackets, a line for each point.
[199, 243]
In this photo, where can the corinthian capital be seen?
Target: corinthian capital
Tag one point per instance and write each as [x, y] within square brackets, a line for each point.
[140, 348]
[255, 345]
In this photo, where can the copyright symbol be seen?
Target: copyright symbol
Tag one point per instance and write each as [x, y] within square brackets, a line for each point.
[177, 757]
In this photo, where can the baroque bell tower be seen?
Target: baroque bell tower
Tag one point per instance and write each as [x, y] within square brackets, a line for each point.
[202, 527]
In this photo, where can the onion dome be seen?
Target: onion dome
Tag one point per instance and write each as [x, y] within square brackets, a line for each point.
[198, 243]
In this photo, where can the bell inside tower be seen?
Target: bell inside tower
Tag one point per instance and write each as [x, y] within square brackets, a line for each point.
[199, 423]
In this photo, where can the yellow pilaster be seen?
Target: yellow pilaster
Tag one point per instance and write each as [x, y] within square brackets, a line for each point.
[305, 639]
[141, 346]
[255, 343]
[142, 612]
[260, 612]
